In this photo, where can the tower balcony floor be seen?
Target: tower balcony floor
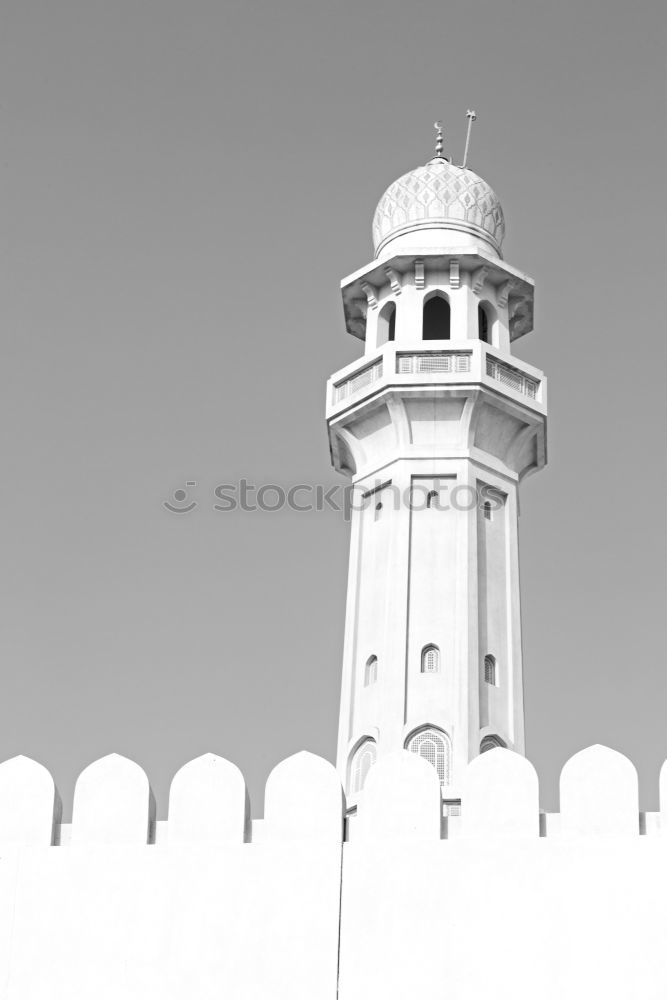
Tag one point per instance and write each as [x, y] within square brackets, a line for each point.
[444, 363]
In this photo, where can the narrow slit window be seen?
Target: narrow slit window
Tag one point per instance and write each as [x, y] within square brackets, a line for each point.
[361, 762]
[371, 671]
[487, 511]
[432, 499]
[430, 660]
[483, 324]
[386, 324]
[490, 669]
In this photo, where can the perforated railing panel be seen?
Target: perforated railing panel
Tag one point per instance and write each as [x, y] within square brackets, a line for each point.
[512, 377]
[432, 361]
[357, 382]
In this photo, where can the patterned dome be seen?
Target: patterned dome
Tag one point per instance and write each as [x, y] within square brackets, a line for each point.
[439, 195]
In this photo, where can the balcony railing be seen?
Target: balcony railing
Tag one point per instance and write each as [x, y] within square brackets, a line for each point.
[423, 362]
[460, 363]
[352, 385]
[512, 377]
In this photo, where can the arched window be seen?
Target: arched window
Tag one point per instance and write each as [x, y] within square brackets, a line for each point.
[490, 669]
[432, 499]
[371, 671]
[483, 324]
[386, 324]
[487, 510]
[435, 324]
[434, 746]
[361, 762]
[430, 660]
[489, 742]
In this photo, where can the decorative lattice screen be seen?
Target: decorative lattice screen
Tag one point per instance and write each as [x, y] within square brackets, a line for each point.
[430, 660]
[434, 746]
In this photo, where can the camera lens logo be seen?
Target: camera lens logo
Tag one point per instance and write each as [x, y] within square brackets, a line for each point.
[180, 504]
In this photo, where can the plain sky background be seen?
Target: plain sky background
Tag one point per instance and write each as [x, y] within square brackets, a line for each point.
[183, 187]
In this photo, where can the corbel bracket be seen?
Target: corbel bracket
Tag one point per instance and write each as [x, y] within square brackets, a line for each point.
[420, 278]
[370, 294]
[454, 274]
[478, 278]
[504, 292]
[394, 280]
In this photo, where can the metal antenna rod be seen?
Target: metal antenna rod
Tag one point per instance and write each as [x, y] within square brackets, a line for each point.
[471, 116]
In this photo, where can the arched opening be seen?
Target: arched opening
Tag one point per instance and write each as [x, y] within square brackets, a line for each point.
[431, 499]
[434, 746]
[489, 742]
[430, 660]
[483, 324]
[361, 762]
[487, 510]
[487, 322]
[387, 324]
[371, 671]
[490, 672]
[436, 318]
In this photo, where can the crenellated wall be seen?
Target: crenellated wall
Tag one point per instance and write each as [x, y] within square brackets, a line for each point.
[393, 902]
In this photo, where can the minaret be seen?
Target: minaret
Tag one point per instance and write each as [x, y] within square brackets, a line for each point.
[436, 426]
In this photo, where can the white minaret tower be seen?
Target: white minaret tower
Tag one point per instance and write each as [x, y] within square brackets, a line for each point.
[436, 426]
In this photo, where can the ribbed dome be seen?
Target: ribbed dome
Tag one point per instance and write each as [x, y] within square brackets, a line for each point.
[439, 195]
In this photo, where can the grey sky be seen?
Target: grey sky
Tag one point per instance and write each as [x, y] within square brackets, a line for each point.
[183, 186]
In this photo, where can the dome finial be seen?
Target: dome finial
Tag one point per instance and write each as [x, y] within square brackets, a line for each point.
[438, 139]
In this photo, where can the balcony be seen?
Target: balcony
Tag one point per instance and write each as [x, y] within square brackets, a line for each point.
[469, 362]
[360, 380]
[512, 377]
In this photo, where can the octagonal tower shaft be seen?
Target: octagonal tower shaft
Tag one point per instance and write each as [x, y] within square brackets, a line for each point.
[436, 426]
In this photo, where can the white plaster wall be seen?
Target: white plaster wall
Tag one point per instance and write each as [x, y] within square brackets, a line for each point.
[464, 920]
[373, 595]
[497, 910]
[432, 607]
[496, 600]
[245, 922]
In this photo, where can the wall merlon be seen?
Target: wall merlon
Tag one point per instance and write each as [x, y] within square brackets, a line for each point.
[29, 803]
[209, 804]
[113, 803]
